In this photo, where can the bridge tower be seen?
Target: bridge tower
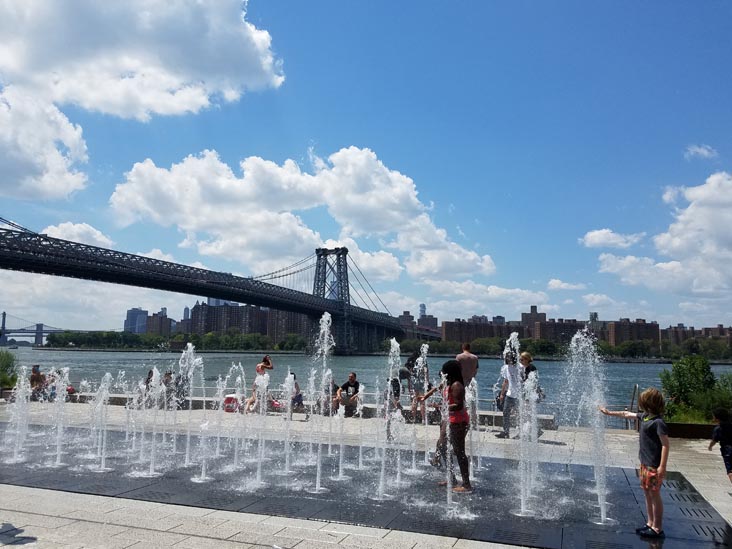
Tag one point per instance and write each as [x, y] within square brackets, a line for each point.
[331, 282]
[3, 336]
[39, 335]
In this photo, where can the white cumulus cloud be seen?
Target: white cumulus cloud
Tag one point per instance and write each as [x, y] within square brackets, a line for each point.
[41, 151]
[700, 151]
[556, 284]
[79, 232]
[253, 218]
[133, 59]
[607, 238]
[597, 300]
[696, 252]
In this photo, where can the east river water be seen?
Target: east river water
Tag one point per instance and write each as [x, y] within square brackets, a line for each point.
[620, 378]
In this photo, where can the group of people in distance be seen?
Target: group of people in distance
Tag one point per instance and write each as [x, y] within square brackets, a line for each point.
[345, 395]
[44, 387]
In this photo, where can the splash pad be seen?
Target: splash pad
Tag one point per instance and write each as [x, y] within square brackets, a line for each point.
[337, 469]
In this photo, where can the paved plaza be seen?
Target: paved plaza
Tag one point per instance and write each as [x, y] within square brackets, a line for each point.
[40, 517]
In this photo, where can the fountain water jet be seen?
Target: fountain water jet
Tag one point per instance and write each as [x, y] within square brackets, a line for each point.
[586, 377]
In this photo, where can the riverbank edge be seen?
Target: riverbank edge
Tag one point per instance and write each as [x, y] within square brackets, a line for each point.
[615, 360]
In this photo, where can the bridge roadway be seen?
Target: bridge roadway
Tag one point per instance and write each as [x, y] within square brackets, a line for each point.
[39, 253]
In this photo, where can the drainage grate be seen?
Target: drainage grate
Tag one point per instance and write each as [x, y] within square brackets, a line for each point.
[718, 534]
[697, 513]
[516, 537]
[602, 544]
[686, 498]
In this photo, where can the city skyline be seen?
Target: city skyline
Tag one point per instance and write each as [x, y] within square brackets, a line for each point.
[479, 158]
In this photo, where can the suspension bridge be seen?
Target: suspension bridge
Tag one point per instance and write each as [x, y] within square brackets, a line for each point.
[360, 319]
[13, 326]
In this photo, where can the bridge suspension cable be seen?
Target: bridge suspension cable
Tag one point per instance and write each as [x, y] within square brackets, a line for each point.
[285, 271]
[352, 261]
[15, 226]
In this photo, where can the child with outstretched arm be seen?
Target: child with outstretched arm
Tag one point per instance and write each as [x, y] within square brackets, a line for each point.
[722, 434]
[653, 454]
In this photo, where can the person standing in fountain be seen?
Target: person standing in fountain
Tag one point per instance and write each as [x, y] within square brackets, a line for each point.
[528, 368]
[468, 364]
[420, 378]
[392, 396]
[455, 425]
[266, 364]
[653, 455]
[348, 394]
[406, 372]
[510, 390]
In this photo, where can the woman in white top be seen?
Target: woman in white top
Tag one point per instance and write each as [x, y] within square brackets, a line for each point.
[511, 374]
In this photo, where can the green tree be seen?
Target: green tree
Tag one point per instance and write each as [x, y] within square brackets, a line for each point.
[542, 347]
[604, 348]
[714, 348]
[293, 342]
[489, 346]
[691, 346]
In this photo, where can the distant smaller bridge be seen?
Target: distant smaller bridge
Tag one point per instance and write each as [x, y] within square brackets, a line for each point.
[19, 327]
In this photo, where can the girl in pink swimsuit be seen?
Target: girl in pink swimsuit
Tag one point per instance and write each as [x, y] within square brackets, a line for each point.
[455, 426]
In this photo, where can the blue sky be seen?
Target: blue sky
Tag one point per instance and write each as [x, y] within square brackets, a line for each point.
[479, 157]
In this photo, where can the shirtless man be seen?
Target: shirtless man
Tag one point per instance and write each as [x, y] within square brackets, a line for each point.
[468, 364]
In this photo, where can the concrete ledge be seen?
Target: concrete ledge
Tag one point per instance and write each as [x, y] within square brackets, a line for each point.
[488, 418]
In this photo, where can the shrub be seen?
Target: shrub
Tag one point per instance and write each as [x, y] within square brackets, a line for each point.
[691, 374]
[684, 414]
[8, 376]
[706, 401]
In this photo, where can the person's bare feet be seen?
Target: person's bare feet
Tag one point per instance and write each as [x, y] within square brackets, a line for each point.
[462, 489]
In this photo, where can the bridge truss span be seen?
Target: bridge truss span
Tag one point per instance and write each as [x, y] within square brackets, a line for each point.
[39, 253]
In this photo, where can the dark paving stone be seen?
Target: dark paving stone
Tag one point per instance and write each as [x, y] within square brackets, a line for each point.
[226, 501]
[520, 531]
[697, 531]
[580, 537]
[377, 515]
[294, 507]
[164, 493]
[692, 513]
[577, 537]
[414, 521]
[113, 487]
[565, 504]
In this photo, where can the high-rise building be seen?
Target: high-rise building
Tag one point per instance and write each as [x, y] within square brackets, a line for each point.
[136, 321]
[528, 320]
[216, 302]
[406, 319]
[422, 310]
[282, 323]
[625, 330]
[561, 330]
[468, 330]
[159, 324]
[427, 321]
[186, 313]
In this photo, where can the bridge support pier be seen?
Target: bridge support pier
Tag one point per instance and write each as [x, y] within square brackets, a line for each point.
[3, 336]
[39, 335]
